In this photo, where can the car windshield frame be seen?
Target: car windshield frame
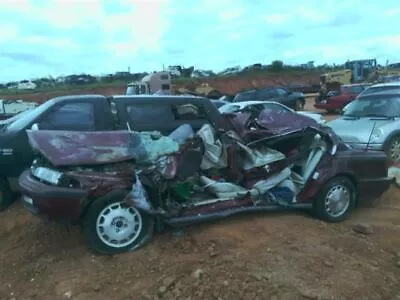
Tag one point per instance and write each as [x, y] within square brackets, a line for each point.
[23, 122]
[224, 108]
[364, 107]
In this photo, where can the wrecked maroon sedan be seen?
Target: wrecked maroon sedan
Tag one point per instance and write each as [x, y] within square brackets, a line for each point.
[122, 185]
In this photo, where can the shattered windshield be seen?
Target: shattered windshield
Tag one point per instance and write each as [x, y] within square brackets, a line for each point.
[374, 107]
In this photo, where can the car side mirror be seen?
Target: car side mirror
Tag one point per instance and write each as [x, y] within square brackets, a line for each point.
[35, 126]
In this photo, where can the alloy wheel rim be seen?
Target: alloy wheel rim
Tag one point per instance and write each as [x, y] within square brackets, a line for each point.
[337, 200]
[395, 151]
[117, 226]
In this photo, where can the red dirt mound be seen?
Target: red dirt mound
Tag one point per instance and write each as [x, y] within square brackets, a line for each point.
[226, 85]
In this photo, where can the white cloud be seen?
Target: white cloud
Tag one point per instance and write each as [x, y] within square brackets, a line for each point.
[234, 36]
[57, 42]
[310, 14]
[144, 25]
[142, 22]
[100, 36]
[230, 14]
[8, 32]
[275, 19]
[301, 14]
[392, 12]
[336, 52]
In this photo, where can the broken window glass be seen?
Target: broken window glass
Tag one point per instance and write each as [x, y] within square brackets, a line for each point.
[189, 112]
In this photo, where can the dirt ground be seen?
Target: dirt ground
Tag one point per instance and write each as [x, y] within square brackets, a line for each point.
[262, 256]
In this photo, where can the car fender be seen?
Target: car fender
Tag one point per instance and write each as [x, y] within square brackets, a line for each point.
[320, 177]
[389, 137]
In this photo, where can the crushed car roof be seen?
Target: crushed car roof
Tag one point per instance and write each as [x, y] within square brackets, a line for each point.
[67, 148]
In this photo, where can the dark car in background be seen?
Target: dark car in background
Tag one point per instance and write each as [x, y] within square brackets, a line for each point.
[281, 95]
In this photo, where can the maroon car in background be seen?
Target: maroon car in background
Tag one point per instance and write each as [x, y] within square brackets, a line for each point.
[121, 185]
[335, 100]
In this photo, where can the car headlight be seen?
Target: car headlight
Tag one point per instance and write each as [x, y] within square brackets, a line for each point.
[47, 175]
[376, 135]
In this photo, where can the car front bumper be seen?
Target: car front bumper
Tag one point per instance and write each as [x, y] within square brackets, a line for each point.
[370, 189]
[49, 201]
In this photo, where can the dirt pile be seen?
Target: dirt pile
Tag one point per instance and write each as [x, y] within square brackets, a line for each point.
[226, 85]
[233, 85]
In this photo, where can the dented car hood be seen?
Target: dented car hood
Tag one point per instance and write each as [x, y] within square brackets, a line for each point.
[64, 148]
[272, 123]
[69, 148]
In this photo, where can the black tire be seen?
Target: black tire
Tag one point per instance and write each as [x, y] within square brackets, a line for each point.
[321, 209]
[97, 244]
[6, 197]
[299, 104]
[389, 147]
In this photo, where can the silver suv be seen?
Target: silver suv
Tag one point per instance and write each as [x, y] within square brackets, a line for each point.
[381, 87]
[372, 121]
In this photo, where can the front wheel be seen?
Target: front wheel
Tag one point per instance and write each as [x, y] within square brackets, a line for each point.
[393, 150]
[110, 228]
[336, 200]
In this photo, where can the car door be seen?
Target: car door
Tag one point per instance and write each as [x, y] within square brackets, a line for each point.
[283, 96]
[266, 94]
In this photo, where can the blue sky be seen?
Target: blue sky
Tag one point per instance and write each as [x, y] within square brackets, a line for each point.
[43, 37]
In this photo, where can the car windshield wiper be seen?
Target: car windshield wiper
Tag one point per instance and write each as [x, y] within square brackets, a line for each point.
[375, 116]
[351, 116]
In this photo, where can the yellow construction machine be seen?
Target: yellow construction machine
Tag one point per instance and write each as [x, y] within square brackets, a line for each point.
[355, 71]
